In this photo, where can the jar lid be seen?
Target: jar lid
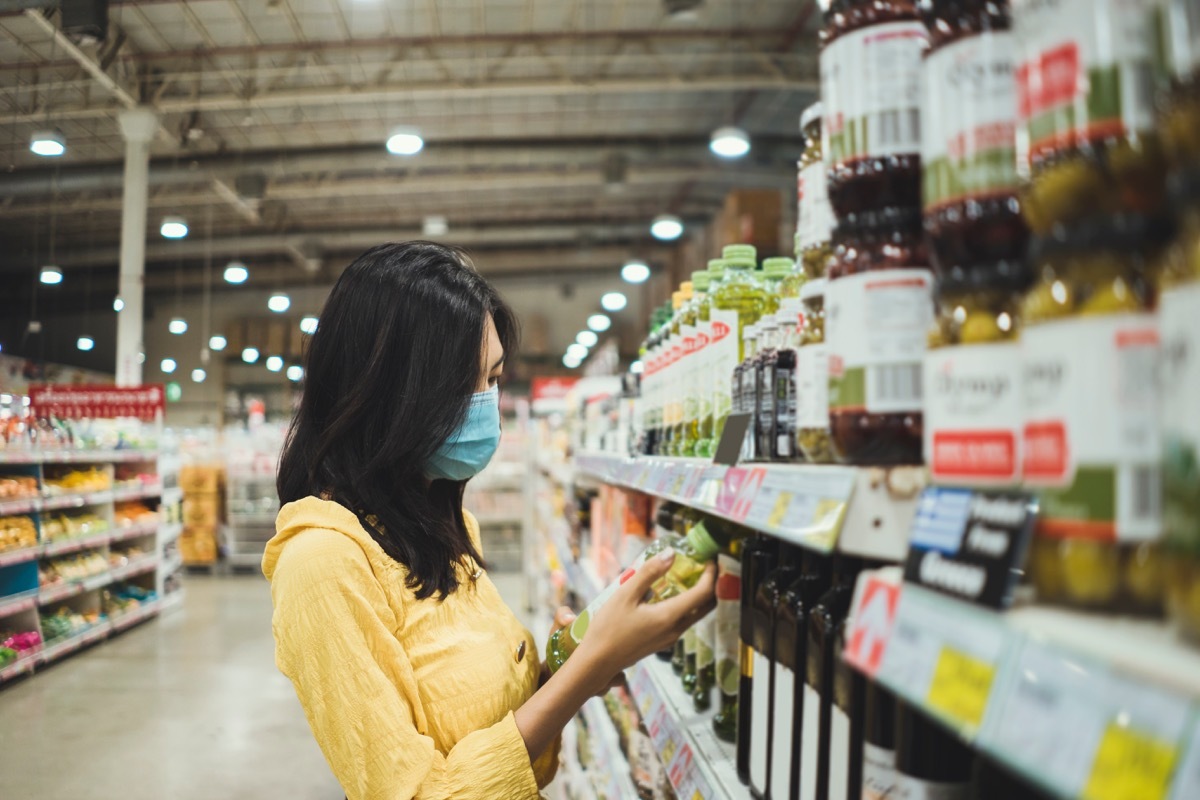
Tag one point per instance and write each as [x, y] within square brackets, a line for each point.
[778, 267]
[812, 114]
[741, 263]
[716, 267]
[813, 289]
[740, 251]
[701, 280]
[685, 289]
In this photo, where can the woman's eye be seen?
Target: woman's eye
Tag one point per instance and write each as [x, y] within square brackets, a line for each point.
[492, 381]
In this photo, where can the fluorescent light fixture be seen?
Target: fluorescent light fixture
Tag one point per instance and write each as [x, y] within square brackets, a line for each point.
[295, 372]
[173, 227]
[635, 271]
[48, 143]
[177, 326]
[217, 342]
[308, 325]
[85, 343]
[51, 276]
[599, 322]
[405, 141]
[274, 363]
[587, 338]
[236, 272]
[279, 303]
[198, 375]
[613, 301]
[577, 350]
[730, 142]
[168, 365]
[666, 228]
[570, 361]
[250, 355]
[637, 367]
[435, 226]
[118, 303]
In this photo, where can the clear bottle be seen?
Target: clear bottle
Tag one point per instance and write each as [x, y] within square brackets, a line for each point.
[692, 552]
[775, 272]
[704, 412]
[672, 400]
[738, 301]
[763, 402]
[782, 367]
[815, 220]
[743, 387]
[812, 378]
[695, 342]
[789, 284]
[726, 638]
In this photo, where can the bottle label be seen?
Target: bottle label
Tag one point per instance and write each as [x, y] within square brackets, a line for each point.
[785, 413]
[763, 404]
[782, 745]
[1085, 73]
[910, 788]
[700, 372]
[871, 91]
[973, 413]
[816, 221]
[812, 387]
[689, 641]
[1181, 424]
[725, 345]
[688, 383]
[968, 120]
[728, 622]
[1091, 439]
[879, 772]
[876, 325]
[1178, 35]
[760, 733]
[810, 743]
[839, 753]
[706, 631]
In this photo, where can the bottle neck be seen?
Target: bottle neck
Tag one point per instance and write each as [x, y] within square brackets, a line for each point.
[702, 542]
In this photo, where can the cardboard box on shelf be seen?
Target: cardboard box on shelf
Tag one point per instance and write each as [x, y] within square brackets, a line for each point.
[202, 510]
[198, 545]
[201, 478]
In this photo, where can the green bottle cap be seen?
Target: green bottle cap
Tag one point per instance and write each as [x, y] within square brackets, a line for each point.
[716, 268]
[700, 281]
[702, 542]
[746, 264]
[779, 267]
[740, 251]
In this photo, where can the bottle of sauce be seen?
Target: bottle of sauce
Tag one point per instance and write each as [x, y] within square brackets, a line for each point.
[781, 438]
[708, 638]
[764, 387]
[757, 562]
[812, 377]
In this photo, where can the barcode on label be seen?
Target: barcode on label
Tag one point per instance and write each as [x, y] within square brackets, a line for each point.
[1145, 493]
[893, 386]
[895, 128]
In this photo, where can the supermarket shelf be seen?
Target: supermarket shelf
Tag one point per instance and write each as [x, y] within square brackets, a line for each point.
[21, 666]
[859, 510]
[172, 601]
[131, 618]
[74, 588]
[1057, 695]
[54, 502]
[264, 520]
[698, 764]
[173, 564]
[607, 751]
[137, 493]
[76, 544]
[64, 648]
[10, 557]
[77, 456]
[16, 603]
[135, 531]
[499, 520]
[169, 533]
[141, 565]
[172, 496]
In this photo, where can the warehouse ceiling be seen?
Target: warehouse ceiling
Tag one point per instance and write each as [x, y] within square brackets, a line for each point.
[555, 130]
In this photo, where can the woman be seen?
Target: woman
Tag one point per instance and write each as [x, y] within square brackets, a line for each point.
[416, 679]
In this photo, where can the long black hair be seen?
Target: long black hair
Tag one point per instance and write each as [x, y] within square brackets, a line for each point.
[388, 377]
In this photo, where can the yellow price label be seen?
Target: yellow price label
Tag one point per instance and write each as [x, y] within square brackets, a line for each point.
[781, 506]
[668, 751]
[697, 796]
[1131, 765]
[961, 686]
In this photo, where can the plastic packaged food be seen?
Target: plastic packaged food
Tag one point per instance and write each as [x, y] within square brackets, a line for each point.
[878, 309]
[1091, 436]
[1087, 143]
[871, 93]
[968, 137]
[815, 221]
[812, 378]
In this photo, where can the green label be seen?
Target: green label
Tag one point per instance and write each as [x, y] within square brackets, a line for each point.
[988, 172]
[849, 390]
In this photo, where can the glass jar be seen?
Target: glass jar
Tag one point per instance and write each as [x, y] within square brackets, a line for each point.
[973, 400]
[814, 219]
[812, 377]
[1179, 33]
[1091, 431]
[1179, 312]
[1087, 144]
[704, 407]
[968, 136]
[871, 94]
[878, 309]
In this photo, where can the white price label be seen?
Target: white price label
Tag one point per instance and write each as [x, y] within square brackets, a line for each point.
[804, 506]
[1187, 779]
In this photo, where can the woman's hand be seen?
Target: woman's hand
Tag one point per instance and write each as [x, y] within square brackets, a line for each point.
[627, 629]
[563, 617]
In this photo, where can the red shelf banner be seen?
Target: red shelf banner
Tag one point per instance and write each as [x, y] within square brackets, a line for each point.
[97, 402]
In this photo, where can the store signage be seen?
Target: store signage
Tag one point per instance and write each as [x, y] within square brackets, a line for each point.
[551, 388]
[971, 544]
[97, 402]
[871, 625]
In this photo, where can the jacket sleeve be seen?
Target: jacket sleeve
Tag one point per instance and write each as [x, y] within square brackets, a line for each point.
[333, 639]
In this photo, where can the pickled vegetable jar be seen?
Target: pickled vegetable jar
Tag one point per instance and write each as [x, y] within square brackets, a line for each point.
[1091, 436]
[968, 136]
[973, 400]
[812, 378]
[815, 219]
[703, 429]
[1087, 143]
[878, 310]
[871, 95]
[1179, 35]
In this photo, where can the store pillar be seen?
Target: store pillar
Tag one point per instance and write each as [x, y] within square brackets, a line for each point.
[138, 126]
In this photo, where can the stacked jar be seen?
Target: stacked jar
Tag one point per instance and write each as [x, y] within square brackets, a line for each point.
[812, 377]
[1179, 34]
[815, 221]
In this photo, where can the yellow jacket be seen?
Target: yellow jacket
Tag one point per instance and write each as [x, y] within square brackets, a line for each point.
[407, 698]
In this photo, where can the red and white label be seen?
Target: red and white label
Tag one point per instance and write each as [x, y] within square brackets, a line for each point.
[871, 625]
[97, 402]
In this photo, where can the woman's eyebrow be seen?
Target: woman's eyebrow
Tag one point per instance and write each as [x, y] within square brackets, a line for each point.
[499, 361]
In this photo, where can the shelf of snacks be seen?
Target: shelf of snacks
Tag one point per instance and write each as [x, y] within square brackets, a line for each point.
[75, 456]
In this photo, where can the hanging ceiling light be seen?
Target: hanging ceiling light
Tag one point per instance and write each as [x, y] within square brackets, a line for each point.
[635, 272]
[405, 141]
[48, 143]
[250, 355]
[308, 325]
[666, 227]
[236, 272]
[730, 142]
[274, 363]
[85, 343]
[168, 365]
[599, 322]
[577, 350]
[570, 361]
[118, 303]
[173, 227]
[217, 342]
[279, 302]
[177, 326]
[613, 301]
[587, 338]
[51, 276]
[295, 372]
[636, 367]
[198, 375]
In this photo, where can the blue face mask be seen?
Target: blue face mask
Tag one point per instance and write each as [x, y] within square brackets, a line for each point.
[471, 447]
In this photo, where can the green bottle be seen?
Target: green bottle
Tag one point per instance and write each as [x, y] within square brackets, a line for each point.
[789, 284]
[692, 553]
[738, 300]
[702, 430]
[683, 518]
[693, 347]
[709, 637]
[775, 271]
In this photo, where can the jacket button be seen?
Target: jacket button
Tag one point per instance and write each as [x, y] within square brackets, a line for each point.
[520, 651]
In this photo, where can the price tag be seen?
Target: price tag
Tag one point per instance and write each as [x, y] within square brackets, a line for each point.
[712, 479]
[678, 479]
[747, 494]
[803, 505]
[691, 486]
[961, 686]
[1130, 765]
[875, 601]
[1187, 780]
[731, 488]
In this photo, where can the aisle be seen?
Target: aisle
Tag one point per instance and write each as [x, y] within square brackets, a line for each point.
[189, 707]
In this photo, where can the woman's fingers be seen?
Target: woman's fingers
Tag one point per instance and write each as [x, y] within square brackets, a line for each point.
[695, 602]
[563, 617]
[637, 585]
